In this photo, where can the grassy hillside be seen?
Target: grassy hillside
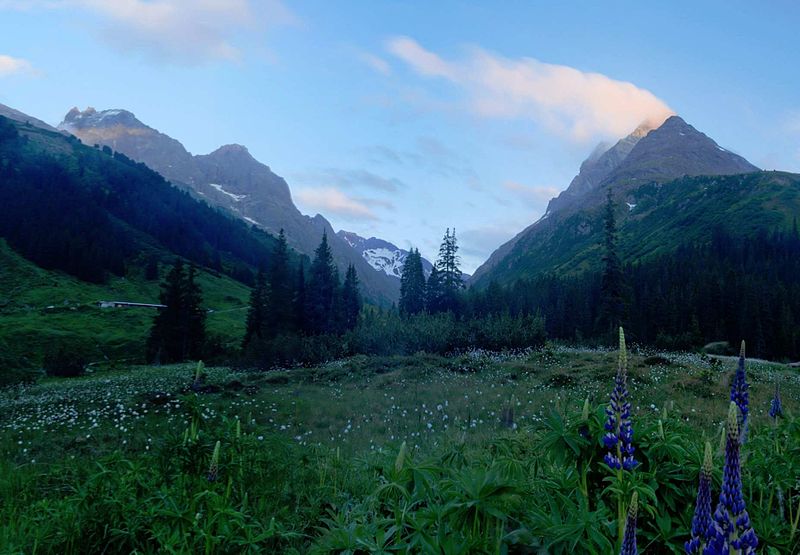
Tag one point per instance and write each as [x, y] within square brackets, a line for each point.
[39, 308]
[311, 460]
[654, 219]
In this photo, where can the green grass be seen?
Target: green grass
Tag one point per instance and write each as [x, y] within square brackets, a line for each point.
[102, 461]
[39, 307]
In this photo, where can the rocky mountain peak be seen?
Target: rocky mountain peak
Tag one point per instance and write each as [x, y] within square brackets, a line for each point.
[91, 118]
[232, 151]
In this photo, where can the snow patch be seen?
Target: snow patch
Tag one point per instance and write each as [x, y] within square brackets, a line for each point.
[251, 220]
[722, 149]
[384, 260]
[630, 206]
[237, 198]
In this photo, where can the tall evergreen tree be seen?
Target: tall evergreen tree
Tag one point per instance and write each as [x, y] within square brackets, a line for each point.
[351, 299]
[279, 313]
[434, 298]
[178, 331]
[450, 277]
[612, 302]
[322, 288]
[412, 285]
[299, 306]
[195, 316]
[256, 311]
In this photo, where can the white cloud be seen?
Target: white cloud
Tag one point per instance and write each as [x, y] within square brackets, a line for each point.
[375, 62]
[531, 193]
[11, 66]
[570, 102]
[329, 200]
[177, 31]
[349, 179]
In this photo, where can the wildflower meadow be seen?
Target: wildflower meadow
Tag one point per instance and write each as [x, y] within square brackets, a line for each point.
[559, 450]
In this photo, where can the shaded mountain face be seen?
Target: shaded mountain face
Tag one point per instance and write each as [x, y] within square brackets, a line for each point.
[381, 255]
[558, 240]
[69, 207]
[229, 178]
[16, 115]
[600, 164]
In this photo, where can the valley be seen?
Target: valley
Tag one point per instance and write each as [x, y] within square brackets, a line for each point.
[399, 278]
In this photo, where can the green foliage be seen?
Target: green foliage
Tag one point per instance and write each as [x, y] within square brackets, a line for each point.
[91, 480]
[65, 360]
[412, 285]
[40, 308]
[179, 330]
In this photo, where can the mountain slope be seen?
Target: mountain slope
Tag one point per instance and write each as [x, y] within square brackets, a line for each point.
[229, 178]
[381, 255]
[41, 308]
[74, 208]
[16, 115]
[564, 240]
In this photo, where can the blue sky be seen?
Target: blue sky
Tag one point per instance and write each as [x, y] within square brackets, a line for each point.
[399, 119]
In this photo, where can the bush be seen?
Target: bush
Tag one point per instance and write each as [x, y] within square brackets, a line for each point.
[65, 361]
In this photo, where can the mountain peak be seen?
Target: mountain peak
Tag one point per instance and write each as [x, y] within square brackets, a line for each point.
[676, 149]
[77, 119]
[381, 254]
[232, 149]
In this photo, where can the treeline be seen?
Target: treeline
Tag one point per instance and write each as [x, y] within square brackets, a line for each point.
[315, 317]
[86, 211]
[725, 289]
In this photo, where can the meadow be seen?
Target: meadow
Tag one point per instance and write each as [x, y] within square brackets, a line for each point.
[477, 452]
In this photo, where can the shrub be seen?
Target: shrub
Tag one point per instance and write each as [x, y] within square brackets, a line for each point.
[65, 361]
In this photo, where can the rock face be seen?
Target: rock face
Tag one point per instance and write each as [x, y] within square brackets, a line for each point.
[381, 255]
[673, 150]
[229, 178]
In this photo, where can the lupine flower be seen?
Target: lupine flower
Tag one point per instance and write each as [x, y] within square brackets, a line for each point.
[584, 427]
[702, 529]
[197, 381]
[401, 457]
[629, 540]
[619, 431]
[739, 393]
[775, 407]
[732, 529]
[213, 469]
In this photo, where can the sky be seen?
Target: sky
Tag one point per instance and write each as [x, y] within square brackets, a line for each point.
[401, 119]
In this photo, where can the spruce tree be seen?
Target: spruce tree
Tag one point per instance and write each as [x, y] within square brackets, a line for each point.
[256, 312]
[299, 307]
[195, 317]
[412, 285]
[178, 330]
[450, 277]
[279, 307]
[322, 288]
[433, 292]
[612, 302]
[351, 299]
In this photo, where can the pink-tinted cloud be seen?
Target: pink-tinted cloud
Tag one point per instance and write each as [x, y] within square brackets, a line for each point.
[531, 193]
[576, 104]
[177, 31]
[329, 200]
[13, 66]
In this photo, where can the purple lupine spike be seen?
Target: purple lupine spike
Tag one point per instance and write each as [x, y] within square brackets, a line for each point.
[739, 393]
[733, 531]
[629, 539]
[702, 529]
[619, 431]
[775, 407]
